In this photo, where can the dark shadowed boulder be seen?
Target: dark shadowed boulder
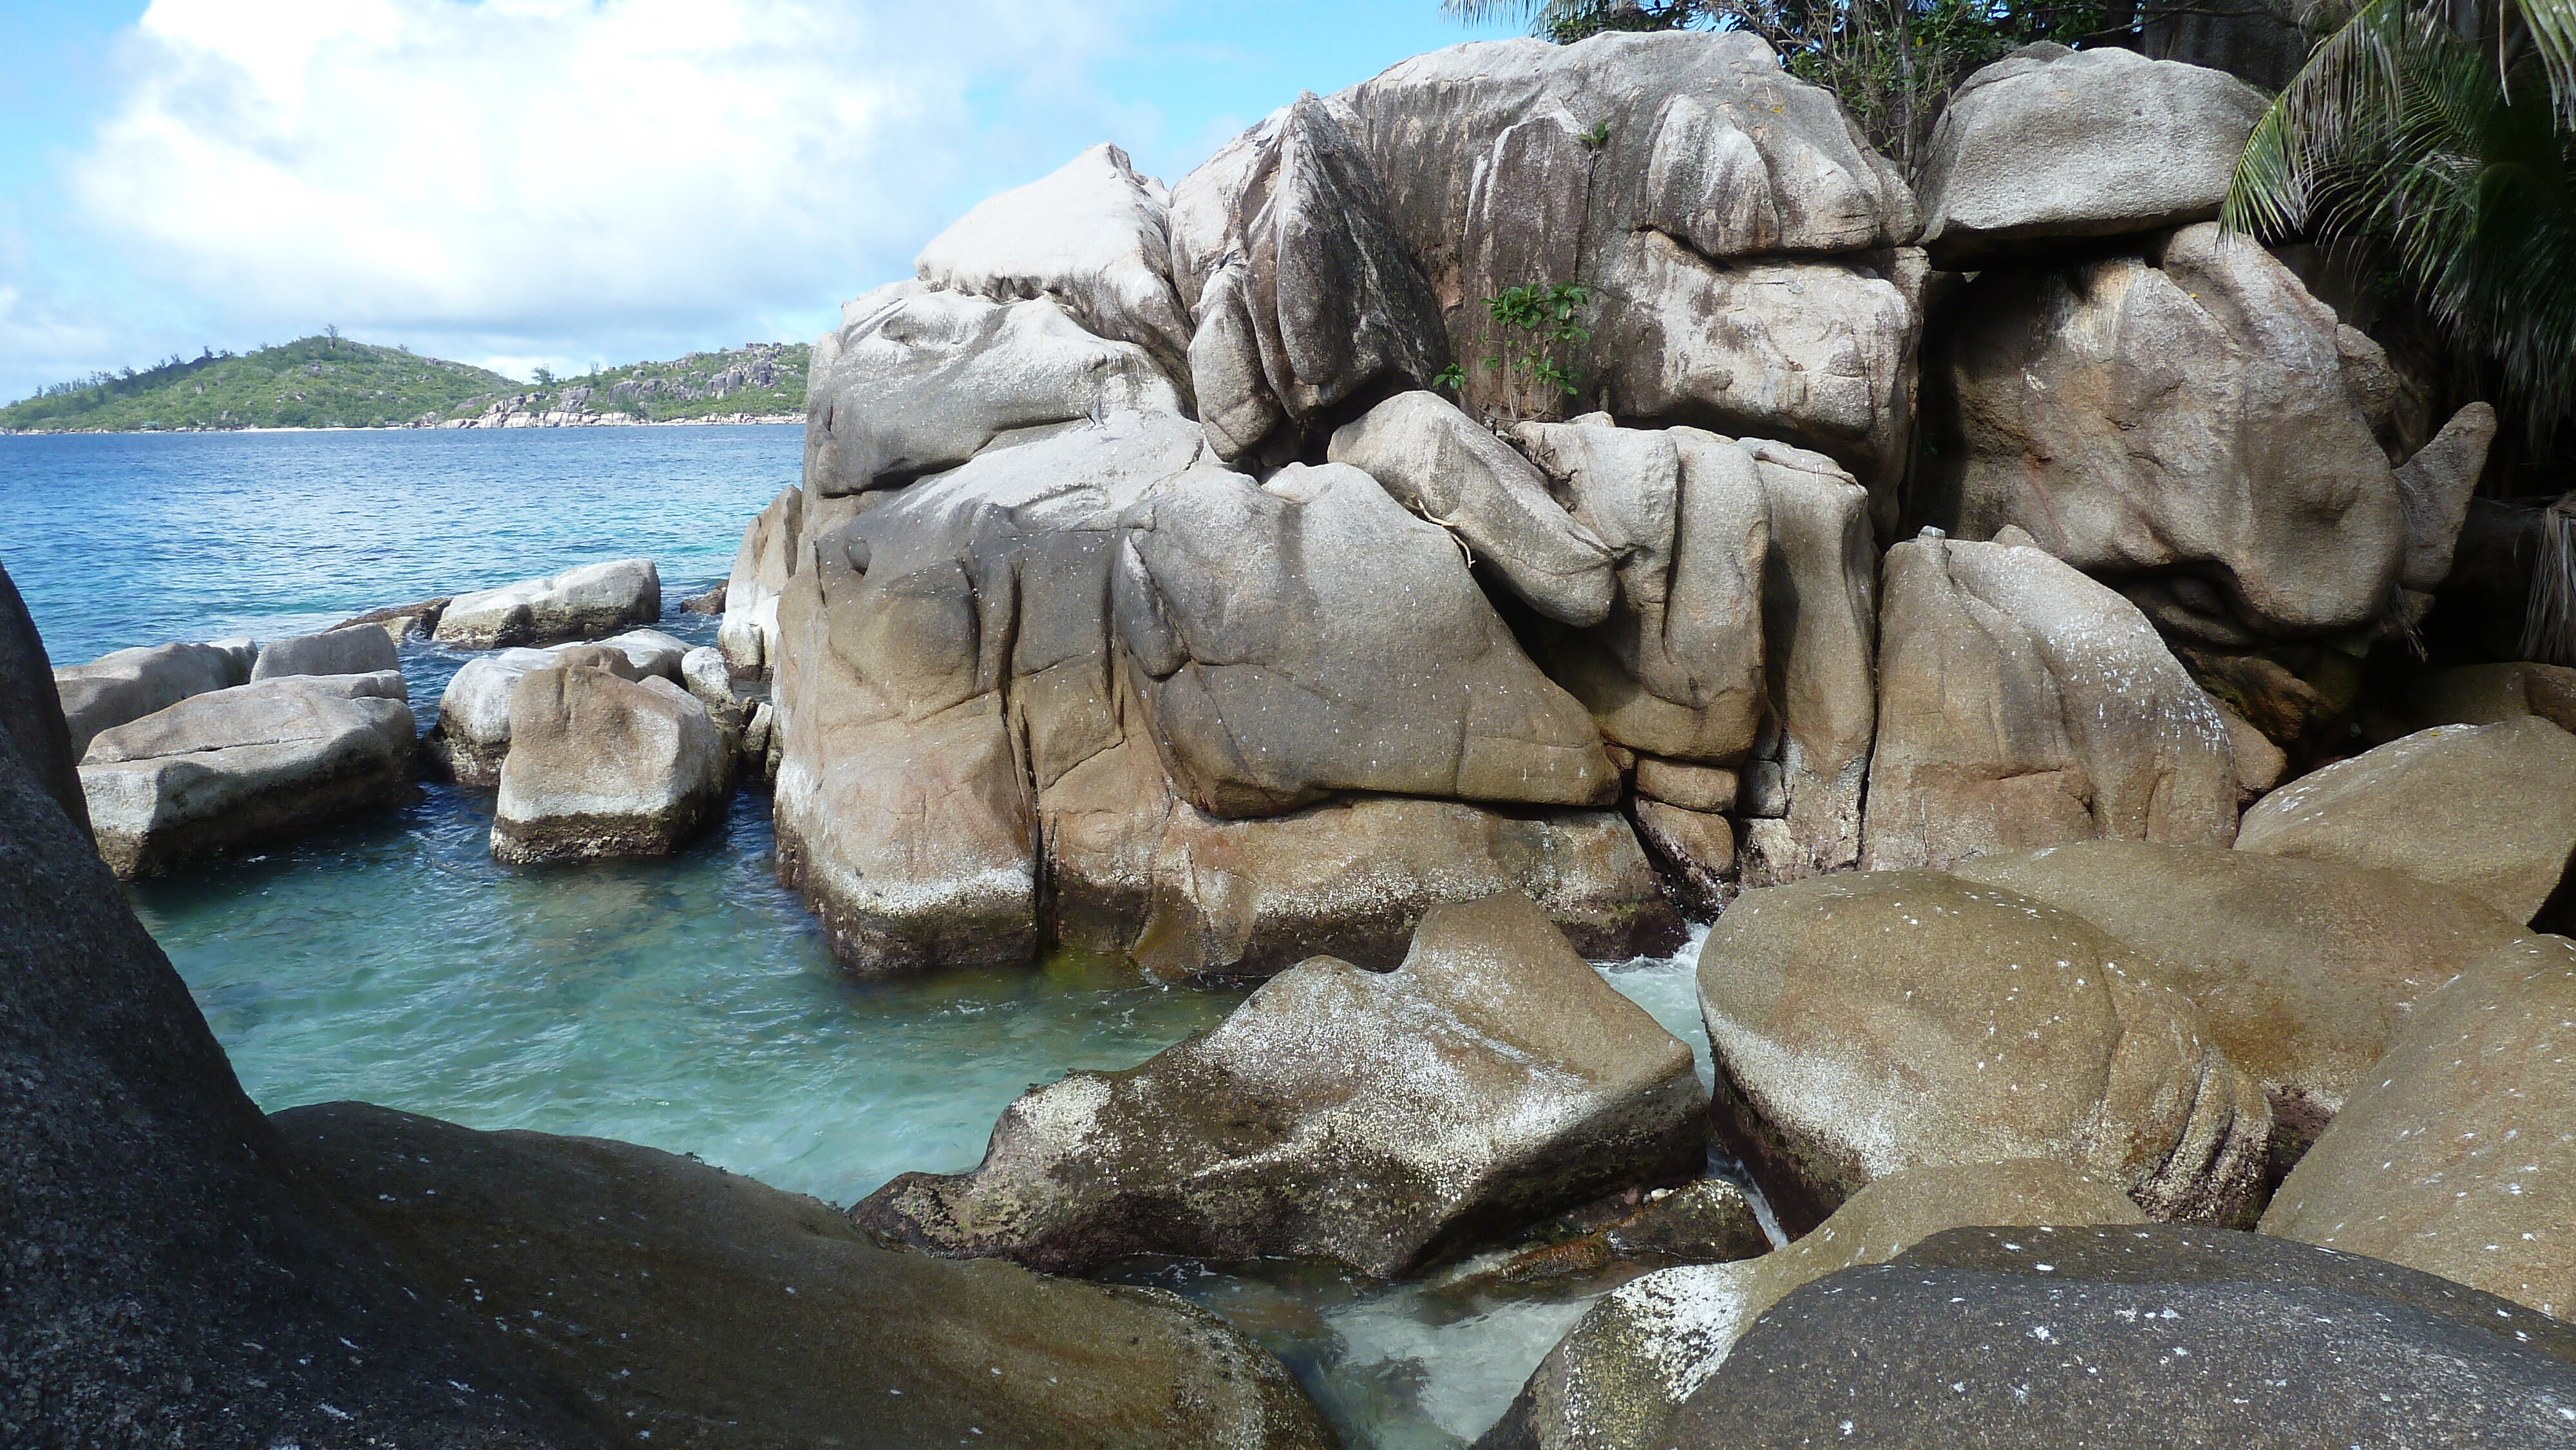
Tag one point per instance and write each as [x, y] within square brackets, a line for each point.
[30, 719]
[1377, 1118]
[2043, 1338]
[697, 1308]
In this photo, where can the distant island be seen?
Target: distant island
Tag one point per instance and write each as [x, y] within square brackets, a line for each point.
[329, 381]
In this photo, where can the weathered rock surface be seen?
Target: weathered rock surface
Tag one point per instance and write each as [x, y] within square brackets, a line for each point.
[167, 1278]
[1308, 635]
[2487, 810]
[1697, 847]
[2176, 418]
[927, 636]
[1377, 1118]
[31, 720]
[2051, 143]
[771, 546]
[2303, 970]
[2021, 704]
[2434, 487]
[234, 768]
[916, 380]
[2492, 694]
[2458, 1155]
[343, 651]
[400, 621]
[2022, 1337]
[1676, 669]
[125, 686]
[704, 674]
[1453, 471]
[582, 603]
[602, 765]
[472, 736]
[1094, 236]
[696, 1307]
[1134, 870]
[1867, 1024]
[1303, 294]
[1615, 1379]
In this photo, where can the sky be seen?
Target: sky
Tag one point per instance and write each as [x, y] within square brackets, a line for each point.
[517, 183]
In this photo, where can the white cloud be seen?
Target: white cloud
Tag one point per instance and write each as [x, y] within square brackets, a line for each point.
[549, 177]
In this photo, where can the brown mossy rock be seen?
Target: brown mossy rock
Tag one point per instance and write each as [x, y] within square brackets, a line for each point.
[2034, 1338]
[2489, 810]
[1864, 1024]
[1380, 1119]
[2458, 1155]
[2303, 970]
[1615, 1379]
[694, 1307]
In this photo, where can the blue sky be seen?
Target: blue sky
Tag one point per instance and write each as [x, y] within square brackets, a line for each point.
[561, 182]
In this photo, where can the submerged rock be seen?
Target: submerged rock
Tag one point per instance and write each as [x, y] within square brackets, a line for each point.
[602, 765]
[2487, 810]
[1378, 1118]
[342, 651]
[2050, 144]
[236, 768]
[2022, 704]
[1616, 1378]
[1867, 1024]
[116, 689]
[695, 1307]
[2036, 1338]
[2302, 970]
[2458, 1155]
[583, 603]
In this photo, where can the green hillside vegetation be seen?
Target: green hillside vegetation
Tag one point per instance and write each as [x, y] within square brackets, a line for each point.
[334, 382]
[318, 382]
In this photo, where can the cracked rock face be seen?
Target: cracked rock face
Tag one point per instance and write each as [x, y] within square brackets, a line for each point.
[1377, 1118]
[2033, 1337]
[1871, 1023]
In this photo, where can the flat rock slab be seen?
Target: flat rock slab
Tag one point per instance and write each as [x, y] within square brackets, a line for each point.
[230, 769]
[1375, 1118]
[347, 650]
[2487, 810]
[583, 603]
[2026, 1337]
[132, 683]
[2458, 1155]
[698, 1308]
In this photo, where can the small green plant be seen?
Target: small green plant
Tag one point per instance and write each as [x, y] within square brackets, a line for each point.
[1452, 377]
[1536, 323]
[1597, 137]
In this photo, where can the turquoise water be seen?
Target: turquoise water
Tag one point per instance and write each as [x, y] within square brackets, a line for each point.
[686, 1003]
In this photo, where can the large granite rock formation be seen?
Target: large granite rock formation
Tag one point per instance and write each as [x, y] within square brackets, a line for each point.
[1871, 1023]
[917, 380]
[2457, 1156]
[694, 1307]
[2021, 704]
[603, 765]
[2175, 417]
[2025, 1338]
[583, 603]
[1615, 1379]
[2050, 144]
[232, 769]
[772, 544]
[115, 689]
[1378, 1118]
[2302, 970]
[472, 736]
[1094, 236]
[1307, 635]
[2489, 810]
[30, 719]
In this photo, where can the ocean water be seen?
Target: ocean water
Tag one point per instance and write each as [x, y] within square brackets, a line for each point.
[686, 1003]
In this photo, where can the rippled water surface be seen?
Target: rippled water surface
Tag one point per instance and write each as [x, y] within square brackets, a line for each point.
[686, 1003]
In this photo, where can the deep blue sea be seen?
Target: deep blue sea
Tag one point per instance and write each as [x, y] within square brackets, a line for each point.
[685, 1003]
